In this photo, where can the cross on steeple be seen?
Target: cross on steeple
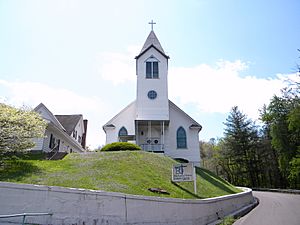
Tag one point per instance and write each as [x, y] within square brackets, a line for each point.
[152, 24]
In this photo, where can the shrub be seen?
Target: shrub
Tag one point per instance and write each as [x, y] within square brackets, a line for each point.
[121, 146]
[180, 160]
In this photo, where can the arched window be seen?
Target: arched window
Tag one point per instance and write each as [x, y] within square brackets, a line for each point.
[181, 138]
[152, 68]
[123, 132]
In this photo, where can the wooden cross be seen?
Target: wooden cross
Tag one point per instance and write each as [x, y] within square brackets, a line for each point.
[152, 24]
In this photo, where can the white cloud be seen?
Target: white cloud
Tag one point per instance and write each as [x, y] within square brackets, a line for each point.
[213, 89]
[118, 67]
[210, 88]
[217, 89]
[60, 101]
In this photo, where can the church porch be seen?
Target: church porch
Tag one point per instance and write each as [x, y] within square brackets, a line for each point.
[150, 135]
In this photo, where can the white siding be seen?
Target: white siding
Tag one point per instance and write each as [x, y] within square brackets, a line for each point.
[79, 128]
[47, 141]
[58, 132]
[156, 109]
[125, 119]
[192, 152]
[39, 142]
[65, 144]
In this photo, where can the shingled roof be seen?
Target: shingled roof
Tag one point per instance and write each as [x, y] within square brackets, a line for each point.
[152, 41]
[69, 122]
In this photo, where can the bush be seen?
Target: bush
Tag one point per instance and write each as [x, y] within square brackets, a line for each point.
[228, 221]
[121, 146]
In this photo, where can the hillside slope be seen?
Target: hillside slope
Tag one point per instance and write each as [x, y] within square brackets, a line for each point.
[126, 172]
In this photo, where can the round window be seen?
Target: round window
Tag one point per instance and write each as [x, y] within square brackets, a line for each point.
[152, 94]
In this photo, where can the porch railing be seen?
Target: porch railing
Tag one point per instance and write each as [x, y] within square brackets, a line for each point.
[152, 147]
[53, 152]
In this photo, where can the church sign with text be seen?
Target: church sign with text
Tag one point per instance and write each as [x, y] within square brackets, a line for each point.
[183, 172]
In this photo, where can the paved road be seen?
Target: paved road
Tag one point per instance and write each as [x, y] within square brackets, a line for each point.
[273, 209]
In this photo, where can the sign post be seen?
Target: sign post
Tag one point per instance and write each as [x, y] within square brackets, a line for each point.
[184, 172]
[195, 180]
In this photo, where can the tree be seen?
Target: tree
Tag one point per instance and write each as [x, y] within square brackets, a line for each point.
[241, 141]
[18, 127]
[283, 117]
[268, 159]
[209, 156]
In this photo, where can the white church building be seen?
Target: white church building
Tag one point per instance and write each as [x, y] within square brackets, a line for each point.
[152, 121]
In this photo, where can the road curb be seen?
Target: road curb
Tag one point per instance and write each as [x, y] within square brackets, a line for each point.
[239, 213]
[246, 209]
[288, 191]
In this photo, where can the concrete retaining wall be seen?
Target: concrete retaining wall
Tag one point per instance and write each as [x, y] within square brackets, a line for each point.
[87, 207]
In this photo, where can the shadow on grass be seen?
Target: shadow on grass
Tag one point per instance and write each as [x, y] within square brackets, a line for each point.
[185, 190]
[214, 180]
[31, 155]
[15, 170]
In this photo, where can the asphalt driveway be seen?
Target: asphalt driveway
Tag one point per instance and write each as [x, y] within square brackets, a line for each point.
[273, 209]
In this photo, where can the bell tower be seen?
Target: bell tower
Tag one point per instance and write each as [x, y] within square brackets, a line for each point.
[152, 81]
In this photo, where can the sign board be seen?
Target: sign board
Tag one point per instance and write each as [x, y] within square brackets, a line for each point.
[183, 172]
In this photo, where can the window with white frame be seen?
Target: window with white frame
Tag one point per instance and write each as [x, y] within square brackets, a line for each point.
[152, 70]
[181, 138]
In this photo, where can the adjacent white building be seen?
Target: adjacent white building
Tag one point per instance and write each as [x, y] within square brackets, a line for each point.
[64, 133]
[152, 120]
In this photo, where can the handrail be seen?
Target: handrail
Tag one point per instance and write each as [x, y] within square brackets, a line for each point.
[25, 214]
[53, 151]
[53, 155]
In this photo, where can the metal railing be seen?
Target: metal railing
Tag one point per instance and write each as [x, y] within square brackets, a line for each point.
[53, 152]
[152, 147]
[24, 215]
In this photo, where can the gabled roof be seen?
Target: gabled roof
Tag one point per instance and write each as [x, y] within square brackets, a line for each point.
[194, 124]
[42, 109]
[55, 123]
[69, 121]
[152, 41]
[110, 124]
[68, 137]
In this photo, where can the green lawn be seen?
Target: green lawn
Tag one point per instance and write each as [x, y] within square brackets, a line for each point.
[131, 172]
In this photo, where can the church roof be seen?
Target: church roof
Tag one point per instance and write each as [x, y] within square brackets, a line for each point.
[152, 41]
[194, 124]
[69, 121]
[110, 124]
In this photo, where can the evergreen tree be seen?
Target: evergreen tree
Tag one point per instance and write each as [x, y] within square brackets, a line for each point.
[241, 140]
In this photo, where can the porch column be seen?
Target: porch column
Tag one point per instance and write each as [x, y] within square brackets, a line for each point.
[136, 132]
[149, 130]
[150, 136]
[163, 135]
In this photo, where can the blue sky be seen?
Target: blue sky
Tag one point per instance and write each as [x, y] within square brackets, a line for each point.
[78, 56]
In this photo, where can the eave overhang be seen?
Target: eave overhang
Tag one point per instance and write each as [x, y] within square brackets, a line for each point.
[150, 46]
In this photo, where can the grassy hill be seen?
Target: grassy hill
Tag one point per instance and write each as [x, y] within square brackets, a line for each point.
[131, 172]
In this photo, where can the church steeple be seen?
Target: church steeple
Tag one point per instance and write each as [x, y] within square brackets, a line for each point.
[152, 40]
[152, 81]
